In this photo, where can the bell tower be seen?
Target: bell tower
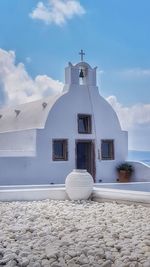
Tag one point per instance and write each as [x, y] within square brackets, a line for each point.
[81, 73]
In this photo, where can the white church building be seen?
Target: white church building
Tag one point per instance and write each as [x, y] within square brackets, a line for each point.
[42, 141]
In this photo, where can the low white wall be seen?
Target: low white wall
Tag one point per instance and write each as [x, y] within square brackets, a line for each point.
[31, 194]
[134, 186]
[141, 172]
[127, 196]
[35, 193]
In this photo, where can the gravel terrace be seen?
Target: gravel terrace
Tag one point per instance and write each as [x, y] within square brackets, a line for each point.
[65, 233]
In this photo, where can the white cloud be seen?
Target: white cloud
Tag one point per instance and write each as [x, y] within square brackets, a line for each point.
[16, 85]
[57, 11]
[132, 116]
[136, 120]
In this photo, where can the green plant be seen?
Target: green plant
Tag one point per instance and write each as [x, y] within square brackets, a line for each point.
[125, 167]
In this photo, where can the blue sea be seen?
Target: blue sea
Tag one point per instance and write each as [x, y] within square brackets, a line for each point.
[143, 156]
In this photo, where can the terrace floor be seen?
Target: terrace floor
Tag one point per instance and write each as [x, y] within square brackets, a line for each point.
[52, 233]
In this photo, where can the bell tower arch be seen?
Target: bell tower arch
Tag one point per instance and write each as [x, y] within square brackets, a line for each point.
[81, 73]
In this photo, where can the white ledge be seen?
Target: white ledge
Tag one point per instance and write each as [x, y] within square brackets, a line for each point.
[32, 194]
[104, 194]
[58, 192]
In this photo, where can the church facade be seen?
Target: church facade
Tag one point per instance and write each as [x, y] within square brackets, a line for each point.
[42, 141]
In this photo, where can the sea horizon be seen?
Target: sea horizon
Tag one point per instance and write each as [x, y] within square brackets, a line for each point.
[139, 155]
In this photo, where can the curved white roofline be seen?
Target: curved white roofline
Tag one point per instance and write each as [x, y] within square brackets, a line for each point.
[32, 115]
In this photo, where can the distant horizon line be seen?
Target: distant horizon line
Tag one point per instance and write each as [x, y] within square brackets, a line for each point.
[135, 150]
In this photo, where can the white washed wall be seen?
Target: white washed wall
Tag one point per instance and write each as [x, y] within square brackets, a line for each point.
[62, 123]
[18, 144]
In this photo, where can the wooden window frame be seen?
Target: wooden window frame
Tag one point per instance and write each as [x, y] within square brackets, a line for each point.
[65, 149]
[89, 125]
[112, 154]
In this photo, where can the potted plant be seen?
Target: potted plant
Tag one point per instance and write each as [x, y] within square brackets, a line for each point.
[125, 171]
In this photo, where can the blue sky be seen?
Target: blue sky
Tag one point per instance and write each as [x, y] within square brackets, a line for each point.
[44, 36]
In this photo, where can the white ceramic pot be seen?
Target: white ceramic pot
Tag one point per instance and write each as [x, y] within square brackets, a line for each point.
[79, 184]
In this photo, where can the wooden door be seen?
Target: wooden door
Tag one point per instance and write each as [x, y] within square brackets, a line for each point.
[85, 156]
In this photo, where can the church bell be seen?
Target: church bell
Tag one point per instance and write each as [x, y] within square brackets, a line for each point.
[81, 74]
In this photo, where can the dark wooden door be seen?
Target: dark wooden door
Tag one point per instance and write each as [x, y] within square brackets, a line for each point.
[85, 156]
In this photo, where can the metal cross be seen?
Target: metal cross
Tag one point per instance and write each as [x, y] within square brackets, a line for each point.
[81, 53]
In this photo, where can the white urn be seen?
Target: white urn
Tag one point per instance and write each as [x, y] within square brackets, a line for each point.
[79, 184]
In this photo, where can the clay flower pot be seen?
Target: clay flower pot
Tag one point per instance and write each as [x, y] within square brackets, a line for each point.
[124, 176]
[79, 184]
[124, 172]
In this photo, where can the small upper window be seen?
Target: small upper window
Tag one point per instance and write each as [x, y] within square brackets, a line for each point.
[107, 149]
[84, 124]
[60, 149]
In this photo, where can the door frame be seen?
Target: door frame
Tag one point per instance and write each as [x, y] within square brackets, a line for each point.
[93, 163]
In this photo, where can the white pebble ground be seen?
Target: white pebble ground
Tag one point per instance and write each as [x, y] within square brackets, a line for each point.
[66, 233]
